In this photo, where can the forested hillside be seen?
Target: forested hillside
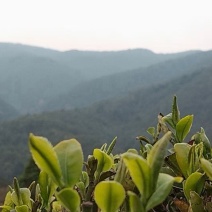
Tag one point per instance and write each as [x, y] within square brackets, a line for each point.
[121, 84]
[31, 77]
[125, 117]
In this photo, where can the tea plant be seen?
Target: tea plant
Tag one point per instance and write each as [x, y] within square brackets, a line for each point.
[168, 173]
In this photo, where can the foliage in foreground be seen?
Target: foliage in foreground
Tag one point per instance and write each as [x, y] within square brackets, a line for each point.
[149, 179]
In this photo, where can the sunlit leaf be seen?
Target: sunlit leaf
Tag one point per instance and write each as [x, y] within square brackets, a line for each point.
[140, 173]
[45, 157]
[25, 195]
[22, 208]
[195, 182]
[109, 195]
[183, 127]
[70, 156]
[69, 198]
[8, 203]
[182, 152]
[105, 162]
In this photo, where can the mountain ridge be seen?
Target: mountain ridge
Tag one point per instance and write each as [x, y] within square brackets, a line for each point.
[23, 68]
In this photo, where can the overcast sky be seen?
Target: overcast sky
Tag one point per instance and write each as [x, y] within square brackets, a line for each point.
[159, 25]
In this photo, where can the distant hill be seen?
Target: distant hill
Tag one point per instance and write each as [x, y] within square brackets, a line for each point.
[7, 111]
[32, 76]
[121, 84]
[125, 117]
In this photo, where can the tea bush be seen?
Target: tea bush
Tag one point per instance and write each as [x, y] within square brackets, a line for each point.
[168, 173]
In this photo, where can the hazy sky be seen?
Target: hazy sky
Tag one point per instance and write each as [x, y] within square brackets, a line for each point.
[159, 25]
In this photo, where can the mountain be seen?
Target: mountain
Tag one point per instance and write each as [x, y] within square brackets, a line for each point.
[120, 84]
[7, 111]
[125, 117]
[33, 76]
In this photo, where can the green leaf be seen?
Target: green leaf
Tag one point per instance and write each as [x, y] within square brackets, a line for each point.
[207, 167]
[85, 178]
[151, 131]
[22, 208]
[47, 187]
[109, 195]
[105, 162]
[195, 153]
[171, 161]
[164, 186]
[195, 182]
[57, 207]
[8, 203]
[111, 146]
[70, 156]
[175, 111]
[135, 203]
[183, 127]
[201, 137]
[25, 195]
[69, 198]
[182, 152]
[155, 158]
[16, 194]
[168, 119]
[45, 157]
[196, 202]
[140, 173]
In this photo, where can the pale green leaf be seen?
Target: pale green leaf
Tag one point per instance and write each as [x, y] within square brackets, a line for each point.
[155, 158]
[135, 203]
[69, 198]
[22, 208]
[8, 203]
[47, 187]
[25, 195]
[207, 167]
[195, 182]
[109, 195]
[182, 153]
[140, 173]
[183, 127]
[105, 162]
[151, 131]
[45, 157]
[70, 156]
[164, 186]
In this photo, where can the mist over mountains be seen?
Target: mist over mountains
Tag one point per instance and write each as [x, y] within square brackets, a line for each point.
[33, 78]
[94, 96]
